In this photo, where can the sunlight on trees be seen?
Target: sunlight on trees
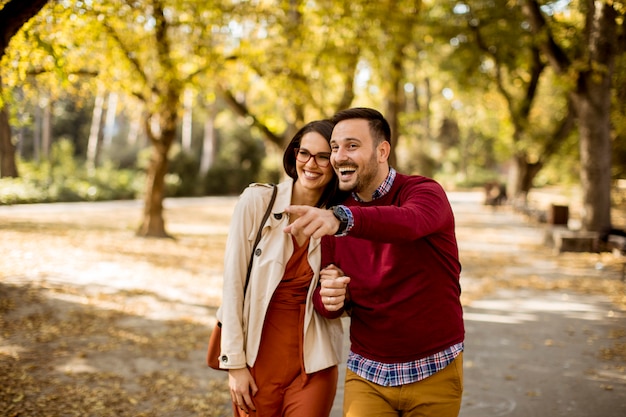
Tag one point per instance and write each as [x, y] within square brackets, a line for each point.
[148, 75]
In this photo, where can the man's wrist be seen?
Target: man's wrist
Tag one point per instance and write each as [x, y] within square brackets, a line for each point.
[341, 214]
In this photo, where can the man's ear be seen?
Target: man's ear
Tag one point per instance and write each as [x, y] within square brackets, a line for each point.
[383, 151]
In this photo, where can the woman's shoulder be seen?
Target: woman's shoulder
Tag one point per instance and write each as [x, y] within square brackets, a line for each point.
[261, 193]
[257, 189]
[259, 186]
[264, 188]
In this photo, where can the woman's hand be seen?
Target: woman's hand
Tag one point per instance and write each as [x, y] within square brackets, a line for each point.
[333, 287]
[242, 388]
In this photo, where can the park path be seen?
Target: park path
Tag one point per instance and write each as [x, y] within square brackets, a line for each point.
[541, 339]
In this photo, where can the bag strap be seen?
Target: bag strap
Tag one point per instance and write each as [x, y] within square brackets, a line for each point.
[258, 235]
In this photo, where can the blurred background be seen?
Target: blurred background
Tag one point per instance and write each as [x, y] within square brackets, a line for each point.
[126, 99]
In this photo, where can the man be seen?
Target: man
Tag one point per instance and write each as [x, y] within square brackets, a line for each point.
[394, 237]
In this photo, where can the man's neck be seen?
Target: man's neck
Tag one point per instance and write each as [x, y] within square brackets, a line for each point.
[368, 195]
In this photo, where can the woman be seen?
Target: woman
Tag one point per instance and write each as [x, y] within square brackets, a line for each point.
[282, 356]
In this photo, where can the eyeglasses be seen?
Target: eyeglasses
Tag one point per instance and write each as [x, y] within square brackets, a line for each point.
[322, 159]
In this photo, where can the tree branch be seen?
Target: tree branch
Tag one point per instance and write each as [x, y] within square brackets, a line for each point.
[242, 110]
[13, 16]
[561, 132]
[131, 59]
[539, 27]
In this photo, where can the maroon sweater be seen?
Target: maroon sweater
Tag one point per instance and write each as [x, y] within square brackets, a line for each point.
[402, 258]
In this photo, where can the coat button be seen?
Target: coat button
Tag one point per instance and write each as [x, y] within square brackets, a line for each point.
[224, 359]
[278, 216]
[258, 252]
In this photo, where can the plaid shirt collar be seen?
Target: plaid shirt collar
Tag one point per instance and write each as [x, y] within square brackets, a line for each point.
[383, 189]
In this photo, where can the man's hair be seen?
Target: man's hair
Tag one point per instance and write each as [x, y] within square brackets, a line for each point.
[379, 127]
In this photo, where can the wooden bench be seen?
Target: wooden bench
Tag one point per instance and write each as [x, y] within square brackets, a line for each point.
[566, 240]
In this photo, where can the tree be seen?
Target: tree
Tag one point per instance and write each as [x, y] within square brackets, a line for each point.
[287, 69]
[13, 16]
[618, 119]
[588, 61]
[383, 37]
[160, 91]
[495, 44]
[153, 50]
[160, 48]
[393, 51]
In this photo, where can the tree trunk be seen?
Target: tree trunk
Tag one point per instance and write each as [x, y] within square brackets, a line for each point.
[46, 130]
[593, 104]
[529, 172]
[8, 167]
[593, 108]
[520, 179]
[153, 223]
[109, 124]
[133, 131]
[209, 142]
[37, 135]
[94, 132]
[392, 117]
[13, 15]
[186, 135]
[591, 98]
[395, 101]
[161, 129]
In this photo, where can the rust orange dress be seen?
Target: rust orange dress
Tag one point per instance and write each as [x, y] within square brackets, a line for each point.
[285, 390]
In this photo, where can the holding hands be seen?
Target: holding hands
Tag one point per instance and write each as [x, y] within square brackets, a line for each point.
[333, 288]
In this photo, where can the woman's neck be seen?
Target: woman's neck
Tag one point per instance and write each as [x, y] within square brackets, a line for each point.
[301, 196]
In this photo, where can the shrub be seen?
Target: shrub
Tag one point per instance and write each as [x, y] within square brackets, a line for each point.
[62, 180]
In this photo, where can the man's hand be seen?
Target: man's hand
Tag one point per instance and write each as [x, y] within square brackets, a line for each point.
[312, 221]
[333, 288]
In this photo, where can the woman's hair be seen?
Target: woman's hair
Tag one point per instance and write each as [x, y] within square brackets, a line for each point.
[332, 194]
[379, 127]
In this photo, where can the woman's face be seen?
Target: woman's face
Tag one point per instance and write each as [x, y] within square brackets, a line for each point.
[310, 174]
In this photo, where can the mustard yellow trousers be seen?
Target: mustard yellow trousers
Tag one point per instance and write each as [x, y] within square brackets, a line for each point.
[439, 395]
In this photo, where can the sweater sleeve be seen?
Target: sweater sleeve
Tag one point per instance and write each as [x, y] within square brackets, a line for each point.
[328, 251]
[418, 209]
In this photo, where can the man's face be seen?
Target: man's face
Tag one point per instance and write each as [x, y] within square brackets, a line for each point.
[355, 157]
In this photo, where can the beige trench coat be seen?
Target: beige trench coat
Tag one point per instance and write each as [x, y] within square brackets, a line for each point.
[242, 321]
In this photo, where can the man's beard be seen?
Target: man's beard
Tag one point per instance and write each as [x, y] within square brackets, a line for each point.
[364, 175]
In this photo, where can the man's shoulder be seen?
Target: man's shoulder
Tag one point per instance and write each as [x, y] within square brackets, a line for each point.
[402, 179]
[418, 186]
